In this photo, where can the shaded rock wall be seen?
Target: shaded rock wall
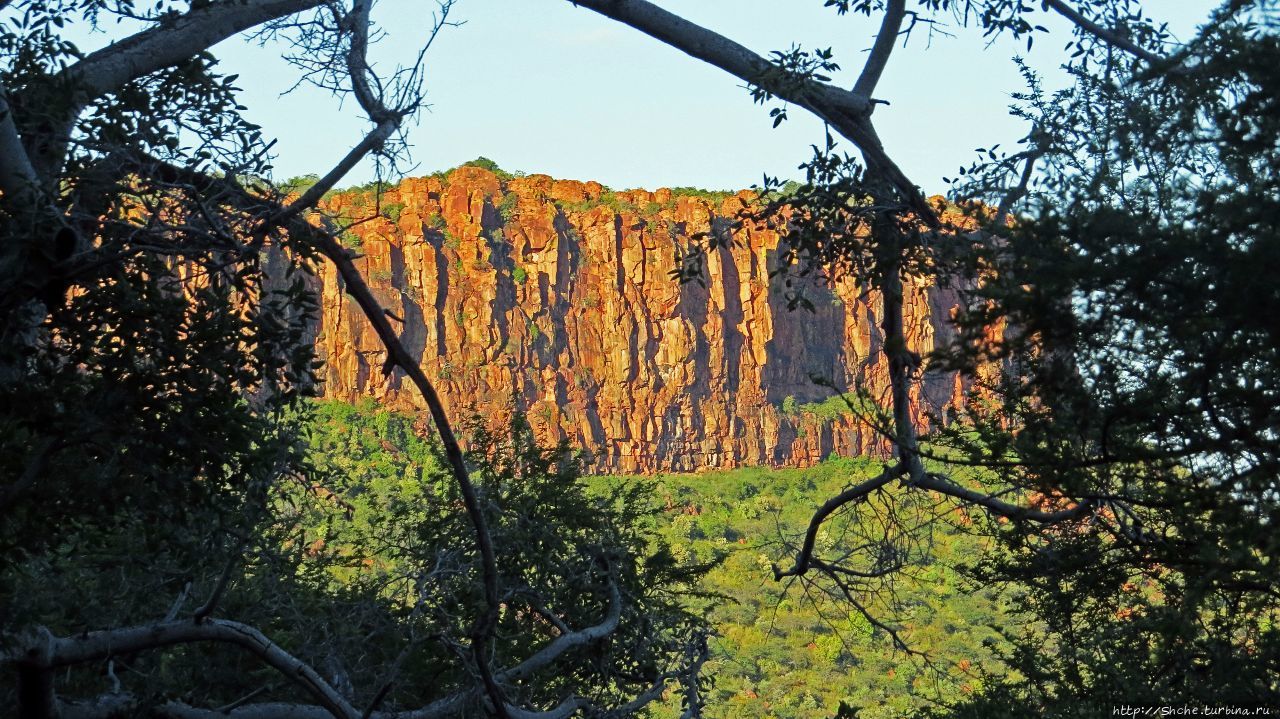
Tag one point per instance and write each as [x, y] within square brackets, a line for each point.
[558, 296]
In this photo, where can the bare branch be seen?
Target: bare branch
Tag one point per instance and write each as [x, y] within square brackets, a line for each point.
[268, 710]
[106, 706]
[844, 111]
[302, 231]
[176, 607]
[692, 690]
[313, 195]
[805, 557]
[398, 356]
[45, 652]
[871, 618]
[890, 27]
[1017, 192]
[358, 63]
[171, 41]
[567, 642]
[713, 48]
[388, 119]
[100, 645]
[224, 579]
[940, 484]
[902, 363]
[276, 710]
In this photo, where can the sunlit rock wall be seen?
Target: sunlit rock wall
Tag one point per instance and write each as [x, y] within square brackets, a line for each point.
[558, 298]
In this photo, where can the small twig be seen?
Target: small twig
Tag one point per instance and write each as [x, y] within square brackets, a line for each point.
[377, 701]
[177, 603]
[227, 709]
[1019, 191]
[212, 603]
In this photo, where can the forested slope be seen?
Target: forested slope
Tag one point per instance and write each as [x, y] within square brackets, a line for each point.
[779, 649]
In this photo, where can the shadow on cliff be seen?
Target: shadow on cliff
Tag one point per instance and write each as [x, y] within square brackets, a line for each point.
[806, 343]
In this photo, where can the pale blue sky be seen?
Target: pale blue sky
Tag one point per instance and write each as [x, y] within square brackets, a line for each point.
[543, 86]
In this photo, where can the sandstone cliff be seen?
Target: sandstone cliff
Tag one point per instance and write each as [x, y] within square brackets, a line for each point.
[559, 296]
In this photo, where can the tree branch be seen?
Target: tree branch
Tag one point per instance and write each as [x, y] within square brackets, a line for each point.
[844, 111]
[1017, 192]
[43, 651]
[1107, 35]
[805, 556]
[938, 483]
[894, 12]
[900, 369]
[388, 121]
[95, 646]
[169, 42]
[715, 49]
[17, 175]
[358, 63]
[266, 710]
[309, 199]
[566, 642]
[215, 596]
[399, 356]
[106, 706]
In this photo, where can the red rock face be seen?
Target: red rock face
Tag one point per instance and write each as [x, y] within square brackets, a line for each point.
[558, 298]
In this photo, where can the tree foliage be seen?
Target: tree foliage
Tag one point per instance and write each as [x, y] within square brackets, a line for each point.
[1144, 360]
[162, 514]
[1116, 334]
[155, 307]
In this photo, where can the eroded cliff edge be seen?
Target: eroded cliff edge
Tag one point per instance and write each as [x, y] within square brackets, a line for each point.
[558, 296]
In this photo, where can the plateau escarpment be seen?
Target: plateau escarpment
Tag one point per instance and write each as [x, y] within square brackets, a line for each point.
[558, 297]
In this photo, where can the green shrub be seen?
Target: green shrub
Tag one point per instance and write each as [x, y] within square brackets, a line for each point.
[348, 238]
[790, 407]
[485, 163]
[299, 184]
[507, 207]
[714, 196]
[392, 210]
